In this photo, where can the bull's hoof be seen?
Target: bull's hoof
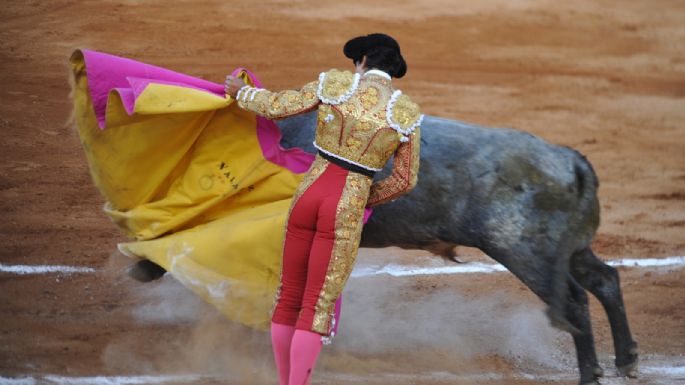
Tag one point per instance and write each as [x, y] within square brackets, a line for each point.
[629, 369]
[457, 259]
[145, 271]
[591, 378]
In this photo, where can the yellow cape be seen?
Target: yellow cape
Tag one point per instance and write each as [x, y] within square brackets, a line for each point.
[184, 176]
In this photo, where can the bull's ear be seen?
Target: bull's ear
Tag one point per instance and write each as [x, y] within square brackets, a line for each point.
[336, 87]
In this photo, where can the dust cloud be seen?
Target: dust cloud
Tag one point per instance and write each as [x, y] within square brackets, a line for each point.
[444, 330]
[205, 342]
[384, 320]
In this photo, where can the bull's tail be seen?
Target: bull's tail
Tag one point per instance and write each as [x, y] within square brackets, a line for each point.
[587, 215]
[586, 179]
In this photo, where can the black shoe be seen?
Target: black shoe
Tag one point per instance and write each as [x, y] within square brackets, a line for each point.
[145, 271]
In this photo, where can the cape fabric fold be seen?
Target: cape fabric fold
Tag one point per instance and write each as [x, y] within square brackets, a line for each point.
[201, 186]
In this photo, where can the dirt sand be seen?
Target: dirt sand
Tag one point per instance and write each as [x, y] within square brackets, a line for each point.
[605, 77]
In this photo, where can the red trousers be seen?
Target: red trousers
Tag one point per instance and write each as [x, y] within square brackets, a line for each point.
[321, 241]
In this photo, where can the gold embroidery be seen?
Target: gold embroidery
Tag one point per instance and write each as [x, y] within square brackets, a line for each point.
[348, 230]
[325, 109]
[276, 105]
[354, 143]
[364, 125]
[369, 98]
[337, 83]
[405, 112]
[363, 135]
[404, 174]
[348, 108]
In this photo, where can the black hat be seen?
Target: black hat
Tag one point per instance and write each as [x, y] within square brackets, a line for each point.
[356, 48]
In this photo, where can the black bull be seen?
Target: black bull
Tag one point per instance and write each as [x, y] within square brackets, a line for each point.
[530, 205]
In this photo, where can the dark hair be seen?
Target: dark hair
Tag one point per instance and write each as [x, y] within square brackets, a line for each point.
[382, 52]
[385, 59]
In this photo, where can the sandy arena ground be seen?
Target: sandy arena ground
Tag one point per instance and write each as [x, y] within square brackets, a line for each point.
[605, 77]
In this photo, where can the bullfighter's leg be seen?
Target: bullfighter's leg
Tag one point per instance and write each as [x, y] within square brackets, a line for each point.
[603, 282]
[334, 251]
[298, 242]
[299, 235]
[331, 258]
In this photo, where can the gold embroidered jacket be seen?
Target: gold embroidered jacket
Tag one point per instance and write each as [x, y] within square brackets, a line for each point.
[361, 120]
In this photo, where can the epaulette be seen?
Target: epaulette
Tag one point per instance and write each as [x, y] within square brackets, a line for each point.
[336, 87]
[403, 115]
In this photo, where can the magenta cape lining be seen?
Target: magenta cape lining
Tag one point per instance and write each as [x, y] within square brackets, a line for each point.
[109, 73]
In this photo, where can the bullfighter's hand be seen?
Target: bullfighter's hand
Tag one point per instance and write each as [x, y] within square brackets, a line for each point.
[232, 85]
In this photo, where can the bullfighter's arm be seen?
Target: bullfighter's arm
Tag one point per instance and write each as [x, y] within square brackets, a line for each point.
[404, 174]
[278, 105]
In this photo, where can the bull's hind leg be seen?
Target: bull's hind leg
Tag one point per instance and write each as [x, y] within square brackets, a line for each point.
[602, 281]
[578, 313]
[534, 272]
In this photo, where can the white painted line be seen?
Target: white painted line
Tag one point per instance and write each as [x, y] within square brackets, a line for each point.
[489, 268]
[18, 381]
[453, 377]
[648, 262]
[43, 269]
[670, 371]
[365, 271]
[403, 270]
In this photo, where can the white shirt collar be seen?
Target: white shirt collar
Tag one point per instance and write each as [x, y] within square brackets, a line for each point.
[378, 72]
